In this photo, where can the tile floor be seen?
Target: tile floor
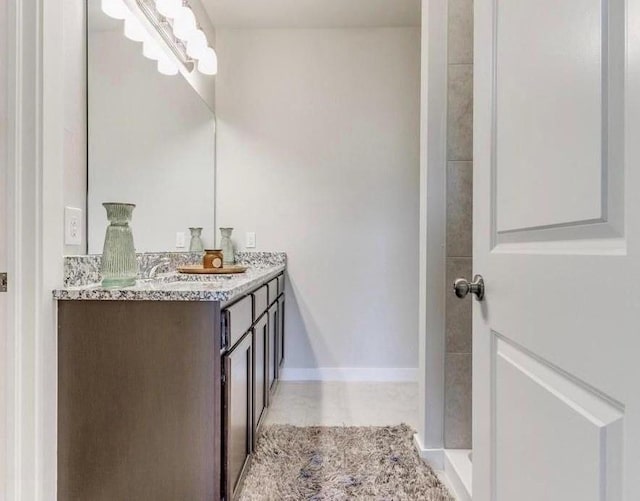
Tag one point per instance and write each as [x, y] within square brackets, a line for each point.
[344, 404]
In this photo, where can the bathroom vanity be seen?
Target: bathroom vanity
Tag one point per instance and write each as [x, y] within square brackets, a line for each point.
[163, 386]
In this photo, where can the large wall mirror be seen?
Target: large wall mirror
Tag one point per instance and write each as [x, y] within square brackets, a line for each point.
[151, 142]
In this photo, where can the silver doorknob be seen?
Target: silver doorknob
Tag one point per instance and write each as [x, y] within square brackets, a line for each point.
[462, 287]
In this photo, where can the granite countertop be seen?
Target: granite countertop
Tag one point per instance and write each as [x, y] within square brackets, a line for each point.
[177, 287]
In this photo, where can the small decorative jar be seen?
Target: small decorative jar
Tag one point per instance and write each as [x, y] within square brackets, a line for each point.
[227, 246]
[196, 244]
[213, 258]
[119, 266]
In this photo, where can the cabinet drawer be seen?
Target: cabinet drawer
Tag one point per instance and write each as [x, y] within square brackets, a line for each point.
[239, 318]
[281, 284]
[273, 290]
[260, 302]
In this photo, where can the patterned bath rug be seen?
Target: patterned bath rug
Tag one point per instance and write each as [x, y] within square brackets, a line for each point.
[319, 463]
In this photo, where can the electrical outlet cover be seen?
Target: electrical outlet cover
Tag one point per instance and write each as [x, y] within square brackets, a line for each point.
[72, 226]
[251, 240]
[180, 240]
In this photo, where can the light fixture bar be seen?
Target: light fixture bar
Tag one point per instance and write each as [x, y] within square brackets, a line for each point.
[163, 27]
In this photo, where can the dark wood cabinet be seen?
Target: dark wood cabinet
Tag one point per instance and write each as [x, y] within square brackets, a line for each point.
[260, 368]
[237, 412]
[280, 335]
[139, 401]
[273, 346]
[172, 393]
[251, 374]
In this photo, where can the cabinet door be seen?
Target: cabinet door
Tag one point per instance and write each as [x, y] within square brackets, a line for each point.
[238, 396]
[273, 346]
[281, 330]
[260, 375]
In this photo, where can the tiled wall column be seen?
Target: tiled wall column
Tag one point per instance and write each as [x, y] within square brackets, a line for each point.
[457, 419]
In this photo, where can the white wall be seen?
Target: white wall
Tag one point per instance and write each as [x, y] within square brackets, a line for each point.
[318, 153]
[75, 113]
[151, 142]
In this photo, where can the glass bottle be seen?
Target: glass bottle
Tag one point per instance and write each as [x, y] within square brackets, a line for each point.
[119, 266]
[227, 246]
[196, 244]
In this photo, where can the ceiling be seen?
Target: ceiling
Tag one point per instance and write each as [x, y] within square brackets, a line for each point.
[313, 13]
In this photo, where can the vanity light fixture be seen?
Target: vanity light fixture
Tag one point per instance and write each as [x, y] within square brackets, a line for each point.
[175, 22]
[115, 9]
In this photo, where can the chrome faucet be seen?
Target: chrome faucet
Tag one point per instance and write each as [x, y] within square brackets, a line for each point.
[151, 268]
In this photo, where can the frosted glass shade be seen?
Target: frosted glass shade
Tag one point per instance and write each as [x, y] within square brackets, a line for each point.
[197, 44]
[134, 30]
[208, 64]
[151, 50]
[167, 67]
[116, 9]
[184, 25]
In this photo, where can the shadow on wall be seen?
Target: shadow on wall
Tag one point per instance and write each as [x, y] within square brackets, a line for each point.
[298, 350]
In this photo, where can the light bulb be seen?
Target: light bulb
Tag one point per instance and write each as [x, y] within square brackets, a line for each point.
[167, 67]
[169, 8]
[208, 63]
[134, 30]
[197, 44]
[184, 24]
[116, 9]
[151, 50]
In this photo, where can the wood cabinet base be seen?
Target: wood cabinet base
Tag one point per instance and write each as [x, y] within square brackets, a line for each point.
[139, 402]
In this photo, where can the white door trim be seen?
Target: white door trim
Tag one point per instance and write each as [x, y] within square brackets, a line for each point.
[35, 181]
[432, 260]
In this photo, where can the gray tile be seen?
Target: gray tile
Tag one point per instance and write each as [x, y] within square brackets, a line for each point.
[460, 32]
[459, 209]
[460, 113]
[458, 311]
[457, 418]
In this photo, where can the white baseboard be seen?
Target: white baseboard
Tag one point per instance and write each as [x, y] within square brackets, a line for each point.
[435, 457]
[453, 466]
[458, 469]
[372, 374]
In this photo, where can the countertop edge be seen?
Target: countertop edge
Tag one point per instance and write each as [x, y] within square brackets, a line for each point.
[91, 293]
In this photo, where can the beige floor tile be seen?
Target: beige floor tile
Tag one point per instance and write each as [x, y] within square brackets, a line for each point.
[344, 404]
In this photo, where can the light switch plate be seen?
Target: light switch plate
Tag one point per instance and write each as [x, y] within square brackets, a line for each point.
[251, 240]
[72, 226]
[180, 240]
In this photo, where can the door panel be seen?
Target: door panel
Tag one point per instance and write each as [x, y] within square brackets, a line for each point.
[559, 117]
[260, 364]
[556, 237]
[273, 346]
[561, 89]
[260, 301]
[281, 317]
[572, 434]
[238, 417]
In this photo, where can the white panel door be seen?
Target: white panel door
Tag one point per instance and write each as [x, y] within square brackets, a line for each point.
[556, 350]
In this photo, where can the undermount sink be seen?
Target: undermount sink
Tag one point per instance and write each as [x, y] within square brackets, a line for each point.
[186, 277]
[178, 278]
